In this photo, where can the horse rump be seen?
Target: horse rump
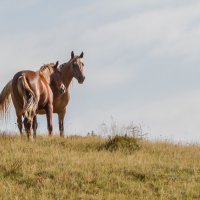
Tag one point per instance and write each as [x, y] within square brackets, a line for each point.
[29, 104]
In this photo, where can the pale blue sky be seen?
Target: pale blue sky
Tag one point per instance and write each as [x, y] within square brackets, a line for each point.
[141, 60]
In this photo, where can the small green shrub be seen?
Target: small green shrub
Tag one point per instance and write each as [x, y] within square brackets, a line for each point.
[122, 143]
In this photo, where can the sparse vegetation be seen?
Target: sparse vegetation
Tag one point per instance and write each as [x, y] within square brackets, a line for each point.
[78, 168]
[124, 143]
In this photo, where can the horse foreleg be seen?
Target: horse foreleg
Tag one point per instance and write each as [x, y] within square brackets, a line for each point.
[61, 117]
[35, 126]
[49, 111]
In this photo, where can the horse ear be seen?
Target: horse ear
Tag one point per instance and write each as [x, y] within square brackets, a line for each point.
[56, 65]
[81, 55]
[72, 55]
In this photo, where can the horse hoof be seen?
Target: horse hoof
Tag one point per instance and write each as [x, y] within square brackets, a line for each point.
[30, 138]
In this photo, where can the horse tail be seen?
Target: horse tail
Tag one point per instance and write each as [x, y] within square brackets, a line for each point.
[5, 100]
[29, 103]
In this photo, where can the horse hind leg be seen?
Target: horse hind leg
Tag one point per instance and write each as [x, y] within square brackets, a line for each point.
[19, 123]
[35, 126]
[28, 124]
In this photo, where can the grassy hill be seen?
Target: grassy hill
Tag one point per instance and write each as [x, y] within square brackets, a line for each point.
[88, 168]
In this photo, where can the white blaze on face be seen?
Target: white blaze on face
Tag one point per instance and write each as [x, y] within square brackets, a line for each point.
[81, 60]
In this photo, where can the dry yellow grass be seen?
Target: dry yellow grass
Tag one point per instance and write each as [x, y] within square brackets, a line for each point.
[75, 168]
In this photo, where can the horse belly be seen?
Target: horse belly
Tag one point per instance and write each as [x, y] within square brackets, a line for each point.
[41, 112]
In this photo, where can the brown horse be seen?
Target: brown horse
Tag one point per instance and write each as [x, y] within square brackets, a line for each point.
[69, 70]
[30, 91]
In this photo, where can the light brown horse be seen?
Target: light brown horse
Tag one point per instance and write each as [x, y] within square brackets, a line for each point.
[30, 91]
[69, 70]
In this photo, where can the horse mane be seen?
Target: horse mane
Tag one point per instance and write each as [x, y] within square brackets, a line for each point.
[46, 70]
[62, 65]
[68, 63]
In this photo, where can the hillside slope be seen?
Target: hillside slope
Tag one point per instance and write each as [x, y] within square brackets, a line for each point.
[78, 168]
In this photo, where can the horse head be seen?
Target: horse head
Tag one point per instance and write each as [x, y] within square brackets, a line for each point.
[77, 67]
[56, 79]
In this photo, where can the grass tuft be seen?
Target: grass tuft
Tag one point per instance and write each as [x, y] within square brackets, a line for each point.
[125, 144]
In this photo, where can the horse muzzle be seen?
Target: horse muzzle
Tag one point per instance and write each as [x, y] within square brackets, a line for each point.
[81, 79]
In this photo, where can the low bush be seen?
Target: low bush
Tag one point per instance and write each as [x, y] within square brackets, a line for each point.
[124, 143]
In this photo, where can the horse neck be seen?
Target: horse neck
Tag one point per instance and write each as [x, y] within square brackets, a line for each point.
[67, 74]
